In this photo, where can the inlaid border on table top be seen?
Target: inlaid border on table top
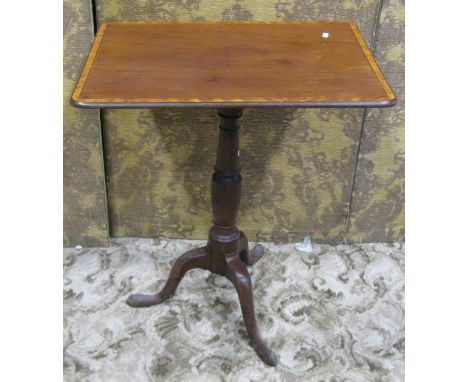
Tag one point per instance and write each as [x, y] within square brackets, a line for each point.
[122, 103]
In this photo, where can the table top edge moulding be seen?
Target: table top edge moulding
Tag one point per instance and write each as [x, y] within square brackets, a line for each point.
[291, 69]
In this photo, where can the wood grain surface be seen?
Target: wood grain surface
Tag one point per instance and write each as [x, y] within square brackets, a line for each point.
[230, 64]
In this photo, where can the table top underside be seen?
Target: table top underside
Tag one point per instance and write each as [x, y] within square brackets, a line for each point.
[230, 64]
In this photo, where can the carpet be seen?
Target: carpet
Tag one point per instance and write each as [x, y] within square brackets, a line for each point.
[333, 313]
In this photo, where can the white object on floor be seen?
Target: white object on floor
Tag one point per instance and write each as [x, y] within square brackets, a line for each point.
[306, 245]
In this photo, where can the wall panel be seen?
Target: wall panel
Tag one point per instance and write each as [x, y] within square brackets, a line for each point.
[84, 201]
[377, 208]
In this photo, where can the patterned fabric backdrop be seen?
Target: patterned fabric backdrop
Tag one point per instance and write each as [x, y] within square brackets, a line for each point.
[300, 167]
[377, 210]
[84, 199]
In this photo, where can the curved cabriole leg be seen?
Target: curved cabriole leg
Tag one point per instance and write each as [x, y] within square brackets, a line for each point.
[196, 258]
[247, 256]
[238, 274]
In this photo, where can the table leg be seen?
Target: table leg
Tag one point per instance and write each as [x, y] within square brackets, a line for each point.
[227, 250]
[250, 257]
[196, 258]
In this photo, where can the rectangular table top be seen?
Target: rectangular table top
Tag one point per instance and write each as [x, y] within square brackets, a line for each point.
[230, 64]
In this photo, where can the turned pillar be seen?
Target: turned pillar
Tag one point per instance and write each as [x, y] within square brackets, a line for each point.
[226, 183]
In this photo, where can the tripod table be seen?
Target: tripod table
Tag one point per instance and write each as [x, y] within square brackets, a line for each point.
[228, 66]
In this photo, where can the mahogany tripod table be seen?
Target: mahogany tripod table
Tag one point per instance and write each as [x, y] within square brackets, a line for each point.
[228, 66]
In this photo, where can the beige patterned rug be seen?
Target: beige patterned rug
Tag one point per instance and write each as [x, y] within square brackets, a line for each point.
[333, 314]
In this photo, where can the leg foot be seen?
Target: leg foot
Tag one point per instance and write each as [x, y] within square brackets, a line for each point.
[249, 257]
[196, 258]
[238, 274]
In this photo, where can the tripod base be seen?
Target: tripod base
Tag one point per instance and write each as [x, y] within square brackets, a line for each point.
[224, 259]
